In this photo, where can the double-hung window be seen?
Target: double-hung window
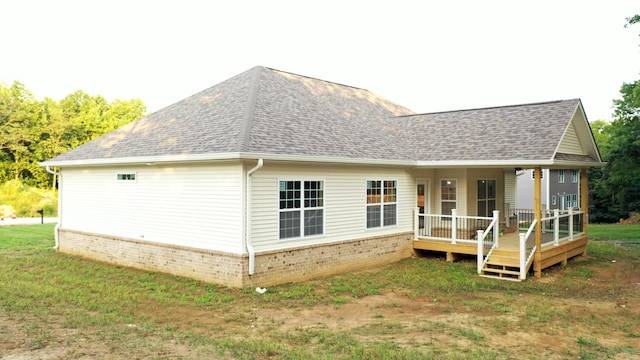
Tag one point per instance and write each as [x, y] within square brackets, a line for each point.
[561, 176]
[574, 176]
[381, 203]
[301, 208]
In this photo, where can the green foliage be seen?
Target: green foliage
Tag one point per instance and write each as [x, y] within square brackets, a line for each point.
[615, 189]
[26, 200]
[32, 131]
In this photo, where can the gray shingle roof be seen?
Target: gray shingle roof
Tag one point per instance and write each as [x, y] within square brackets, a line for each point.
[261, 110]
[266, 111]
[518, 132]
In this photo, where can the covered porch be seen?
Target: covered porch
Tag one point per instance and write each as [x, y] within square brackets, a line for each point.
[509, 245]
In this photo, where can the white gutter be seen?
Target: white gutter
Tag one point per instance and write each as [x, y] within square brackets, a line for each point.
[248, 241]
[56, 230]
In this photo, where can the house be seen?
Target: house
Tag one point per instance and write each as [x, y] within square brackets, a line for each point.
[272, 177]
[560, 189]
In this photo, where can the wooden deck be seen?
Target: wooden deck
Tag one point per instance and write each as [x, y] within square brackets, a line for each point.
[504, 261]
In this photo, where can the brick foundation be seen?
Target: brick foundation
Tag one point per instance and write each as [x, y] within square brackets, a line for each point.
[229, 269]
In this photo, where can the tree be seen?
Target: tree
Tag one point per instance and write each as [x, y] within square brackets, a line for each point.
[17, 107]
[615, 190]
[32, 131]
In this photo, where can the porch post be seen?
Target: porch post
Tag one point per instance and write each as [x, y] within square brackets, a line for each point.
[571, 223]
[537, 212]
[496, 228]
[584, 203]
[454, 226]
[556, 226]
[416, 222]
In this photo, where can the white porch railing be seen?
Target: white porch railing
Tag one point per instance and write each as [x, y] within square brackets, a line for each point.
[527, 249]
[557, 226]
[454, 228]
[487, 241]
[479, 230]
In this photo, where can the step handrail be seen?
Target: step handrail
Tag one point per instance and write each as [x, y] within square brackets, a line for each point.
[524, 259]
[482, 260]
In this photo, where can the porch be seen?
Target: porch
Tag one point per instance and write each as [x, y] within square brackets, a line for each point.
[507, 250]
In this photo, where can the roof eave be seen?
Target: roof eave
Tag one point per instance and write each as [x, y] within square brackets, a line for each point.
[209, 157]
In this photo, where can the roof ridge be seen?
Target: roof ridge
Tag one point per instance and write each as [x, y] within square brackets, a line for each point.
[250, 108]
[318, 79]
[492, 107]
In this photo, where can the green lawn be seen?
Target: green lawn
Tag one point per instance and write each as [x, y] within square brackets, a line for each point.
[614, 232]
[419, 308]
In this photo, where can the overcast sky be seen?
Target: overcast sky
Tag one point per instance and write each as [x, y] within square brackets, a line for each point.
[425, 55]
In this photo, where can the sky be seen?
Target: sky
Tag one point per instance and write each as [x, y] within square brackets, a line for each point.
[426, 55]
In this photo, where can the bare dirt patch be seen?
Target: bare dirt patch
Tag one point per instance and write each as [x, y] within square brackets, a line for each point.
[511, 325]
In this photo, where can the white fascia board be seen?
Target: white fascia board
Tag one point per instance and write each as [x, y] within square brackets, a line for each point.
[186, 158]
[483, 163]
[220, 156]
[142, 160]
[565, 164]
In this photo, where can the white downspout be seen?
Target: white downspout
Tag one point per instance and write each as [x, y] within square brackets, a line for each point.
[252, 253]
[56, 230]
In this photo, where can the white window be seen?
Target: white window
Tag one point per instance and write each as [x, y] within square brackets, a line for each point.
[567, 201]
[126, 177]
[574, 200]
[381, 203]
[553, 200]
[574, 176]
[448, 196]
[301, 208]
[561, 176]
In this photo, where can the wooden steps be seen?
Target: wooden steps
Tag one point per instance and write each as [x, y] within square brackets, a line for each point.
[503, 265]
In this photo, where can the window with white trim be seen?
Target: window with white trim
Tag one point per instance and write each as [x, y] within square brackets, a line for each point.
[574, 200]
[126, 177]
[381, 203]
[448, 196]
[574, 176]
[553, 200]
[561, 176]
[567, 200]
[301, 208]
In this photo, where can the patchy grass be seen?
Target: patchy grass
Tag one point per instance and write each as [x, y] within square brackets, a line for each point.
[423, 308]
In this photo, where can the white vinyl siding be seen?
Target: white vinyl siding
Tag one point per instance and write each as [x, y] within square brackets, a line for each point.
[197, 206]
[344, 203]
[510, 188]
[570, 143]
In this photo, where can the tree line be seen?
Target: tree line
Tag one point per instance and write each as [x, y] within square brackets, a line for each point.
[34, 130]
[614, 190]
